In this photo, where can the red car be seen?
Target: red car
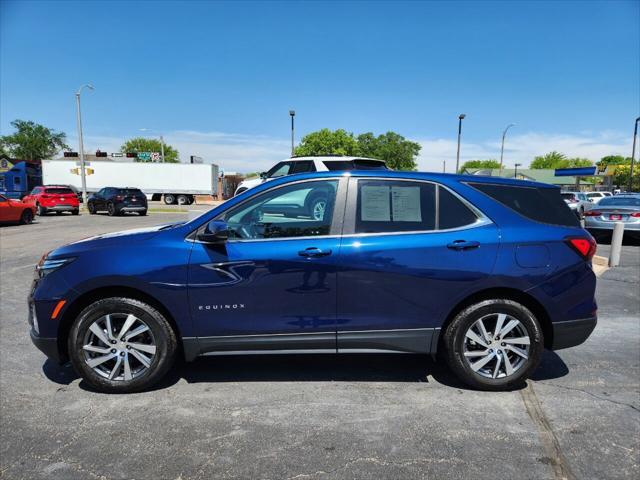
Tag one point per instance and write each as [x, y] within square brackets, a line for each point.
[53, 198]
[16, 211]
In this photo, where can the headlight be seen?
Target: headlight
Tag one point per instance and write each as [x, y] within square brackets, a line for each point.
[47, 265]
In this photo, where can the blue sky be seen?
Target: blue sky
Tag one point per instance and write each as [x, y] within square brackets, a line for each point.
[218, 78]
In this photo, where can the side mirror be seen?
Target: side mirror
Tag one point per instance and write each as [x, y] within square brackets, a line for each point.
[216, 231]
[263, 175]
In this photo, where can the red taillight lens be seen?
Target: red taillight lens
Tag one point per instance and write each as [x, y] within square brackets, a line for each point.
[586, 247]
[635, 214]
[44, 195]
[119, 197]
[592, 213]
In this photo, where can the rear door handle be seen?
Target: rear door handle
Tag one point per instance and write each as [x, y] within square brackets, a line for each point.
[463, 244]
[314, 252]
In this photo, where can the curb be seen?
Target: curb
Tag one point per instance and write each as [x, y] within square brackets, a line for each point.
[603, 261]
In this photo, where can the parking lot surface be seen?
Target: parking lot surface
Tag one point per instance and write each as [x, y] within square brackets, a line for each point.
[314, 416]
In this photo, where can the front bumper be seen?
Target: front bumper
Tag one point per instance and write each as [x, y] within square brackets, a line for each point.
[572, 333]
[48, 346]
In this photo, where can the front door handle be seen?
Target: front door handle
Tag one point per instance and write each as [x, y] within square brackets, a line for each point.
[314, 252]
[463, 244]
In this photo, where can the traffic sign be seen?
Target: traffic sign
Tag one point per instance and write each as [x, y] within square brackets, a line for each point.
[146, 156]
[155, 157]
[117, 154]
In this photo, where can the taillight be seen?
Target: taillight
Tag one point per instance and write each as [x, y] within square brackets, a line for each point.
[592, 213]
[44, 195]
[119, 197]
[635, 214]
[584, 246]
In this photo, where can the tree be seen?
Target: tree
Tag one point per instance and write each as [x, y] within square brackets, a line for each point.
[398, 152]
[614, 160]
[480, 164]
[327, 142]
[141, 144]
[32, 141]
[550, 160]
[559, 160]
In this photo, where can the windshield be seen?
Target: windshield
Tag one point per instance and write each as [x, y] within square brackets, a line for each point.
[620, 202]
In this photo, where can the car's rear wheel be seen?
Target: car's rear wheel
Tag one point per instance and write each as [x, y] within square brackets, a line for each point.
[41, 210]
[494, 344]
[142, 213]
[169, 199]
[121, 345]
[111, 210]
[26, 217]
[75, 212]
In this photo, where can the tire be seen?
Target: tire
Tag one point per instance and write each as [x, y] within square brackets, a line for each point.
[112, 210]
[142, 213]
[183, 199]
[41, 210]
[169, 199]
[75, 212]
[456, 343]
[27, 217]
[159, 336]
[92, 208]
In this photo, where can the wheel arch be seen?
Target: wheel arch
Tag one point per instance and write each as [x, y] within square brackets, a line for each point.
[519, 296]
[73, 310]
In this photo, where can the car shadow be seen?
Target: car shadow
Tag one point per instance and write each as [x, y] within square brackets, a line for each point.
[313, 368]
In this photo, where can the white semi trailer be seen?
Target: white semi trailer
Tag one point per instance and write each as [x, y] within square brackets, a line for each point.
[173, 182]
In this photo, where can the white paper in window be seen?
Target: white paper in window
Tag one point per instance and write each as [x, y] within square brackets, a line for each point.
[405, 204]
[375, 204]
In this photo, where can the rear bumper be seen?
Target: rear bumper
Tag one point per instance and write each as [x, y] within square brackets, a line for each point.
[130, 208]
[48, 346]
[61, 208]
[573, 332]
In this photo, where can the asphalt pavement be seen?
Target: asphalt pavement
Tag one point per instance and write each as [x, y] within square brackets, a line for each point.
[316, 416]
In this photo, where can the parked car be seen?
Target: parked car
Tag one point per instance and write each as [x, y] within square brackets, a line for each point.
[16, 211]
[116, 201]
[595, 197]
[620, 208]
[490, 271]
[577, 202]
[53, 198]
[295, 165]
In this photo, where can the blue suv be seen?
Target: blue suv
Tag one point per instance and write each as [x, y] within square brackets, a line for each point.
[486, 272]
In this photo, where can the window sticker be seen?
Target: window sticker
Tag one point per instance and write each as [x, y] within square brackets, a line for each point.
[375, 204]
[405, 202]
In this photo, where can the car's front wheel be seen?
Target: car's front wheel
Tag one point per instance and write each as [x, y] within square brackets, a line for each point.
[121, 345]
[494, 344]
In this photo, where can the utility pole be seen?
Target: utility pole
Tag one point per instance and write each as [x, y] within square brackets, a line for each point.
[460, 118]
[515, 174]
[292, 113]
[83, 174]
[502, 148]
[633, 154]
[161, 149]
[444, 166]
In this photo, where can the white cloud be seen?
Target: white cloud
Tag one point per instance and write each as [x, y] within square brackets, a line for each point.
[250, 153]
[522, 148]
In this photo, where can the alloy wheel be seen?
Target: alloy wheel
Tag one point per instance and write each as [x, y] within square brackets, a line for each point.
[496, 346]
[119, 347]
[319, 208]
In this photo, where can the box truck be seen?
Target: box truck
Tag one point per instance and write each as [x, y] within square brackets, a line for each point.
[171, 182]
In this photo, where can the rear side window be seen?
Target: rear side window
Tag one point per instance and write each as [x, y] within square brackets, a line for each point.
[452, 213]
[129, 191]
[541, 204]
[386, 206]
[302, 167]
[58, 191]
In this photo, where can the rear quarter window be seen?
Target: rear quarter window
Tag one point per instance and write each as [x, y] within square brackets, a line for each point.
[58, 191]
[540, 204]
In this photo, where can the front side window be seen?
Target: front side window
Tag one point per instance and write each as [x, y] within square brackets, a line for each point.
[279, 170]
[386, 206]
[299, 210]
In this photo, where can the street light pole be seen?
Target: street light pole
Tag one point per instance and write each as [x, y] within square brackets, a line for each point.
[460, 118]
[515, 174]
[292, 113]
[502, 148]
[83, 174]
[633, 154]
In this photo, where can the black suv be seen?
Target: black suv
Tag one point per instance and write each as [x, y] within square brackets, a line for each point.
[117, 201]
